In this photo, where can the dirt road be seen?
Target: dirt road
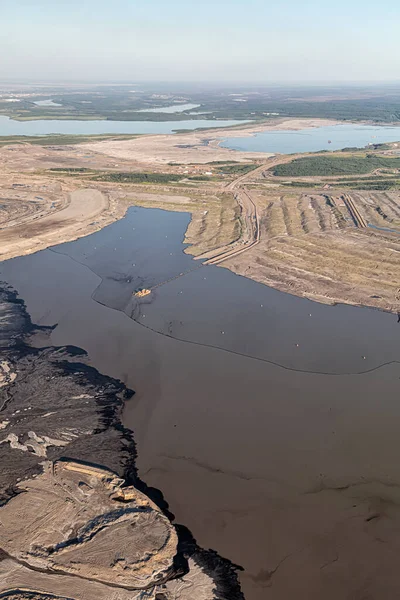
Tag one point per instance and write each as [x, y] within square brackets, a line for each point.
[250, 221]
[251, 229]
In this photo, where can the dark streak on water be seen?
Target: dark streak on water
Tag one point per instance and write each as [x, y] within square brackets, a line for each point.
[248, 454]
[213, 307]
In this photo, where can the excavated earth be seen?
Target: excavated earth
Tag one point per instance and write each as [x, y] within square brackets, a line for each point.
[76, 522]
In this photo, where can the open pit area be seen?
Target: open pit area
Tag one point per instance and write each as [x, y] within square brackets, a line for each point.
[320, 246]
[330, 233]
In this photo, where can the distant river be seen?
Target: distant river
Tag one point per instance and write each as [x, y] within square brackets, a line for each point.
[314, 139]
[69, 127]
[175, 108]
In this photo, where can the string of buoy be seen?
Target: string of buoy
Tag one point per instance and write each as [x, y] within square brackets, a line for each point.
[174, 278]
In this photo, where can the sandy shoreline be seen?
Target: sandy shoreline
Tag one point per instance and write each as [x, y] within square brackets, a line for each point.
[280, 124]
[82, 212]
[198, 147]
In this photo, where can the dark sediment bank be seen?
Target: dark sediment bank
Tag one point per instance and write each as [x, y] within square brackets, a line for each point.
[54, 406]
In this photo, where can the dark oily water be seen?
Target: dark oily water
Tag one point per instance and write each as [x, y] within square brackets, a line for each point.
[286, 472]
[211, 306]
[332, 137]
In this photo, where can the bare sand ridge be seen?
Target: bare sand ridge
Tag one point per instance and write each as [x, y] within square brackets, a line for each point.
[196, 147]
[80, 208]
[20, 583]
[310, 246]
[76, 516]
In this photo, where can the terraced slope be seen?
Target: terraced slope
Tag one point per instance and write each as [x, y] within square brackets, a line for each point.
[330, 248]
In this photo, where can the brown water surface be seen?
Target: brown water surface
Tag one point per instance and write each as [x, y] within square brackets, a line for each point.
[286, 463]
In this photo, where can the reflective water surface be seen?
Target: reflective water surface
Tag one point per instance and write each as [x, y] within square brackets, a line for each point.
[332, 137]
[74, 127]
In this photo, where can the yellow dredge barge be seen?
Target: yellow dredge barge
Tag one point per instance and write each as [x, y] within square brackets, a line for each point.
[142, 293]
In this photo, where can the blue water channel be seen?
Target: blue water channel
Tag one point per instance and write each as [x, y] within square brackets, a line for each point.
[332, 137]
[73, 127]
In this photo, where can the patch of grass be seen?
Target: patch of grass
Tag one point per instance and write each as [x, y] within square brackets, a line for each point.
[301, 184]
[364, 180]
[71, 170]
[221, 162]
[374, 183]
[382, 184]
[335, 165]
[60, 139]
[235, 169]
[137, 177]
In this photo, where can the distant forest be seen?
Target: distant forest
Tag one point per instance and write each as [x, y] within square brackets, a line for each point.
[251, 103]
[335, 165]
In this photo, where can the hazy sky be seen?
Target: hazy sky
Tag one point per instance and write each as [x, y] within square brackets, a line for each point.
[215, 40]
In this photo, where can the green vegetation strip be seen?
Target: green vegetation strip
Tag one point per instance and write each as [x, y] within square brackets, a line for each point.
[383, 184]
[378, 184]
[335, 165]
[235, 169]
[126, 177]
[61, 140]
[71, 170]
[137, 177]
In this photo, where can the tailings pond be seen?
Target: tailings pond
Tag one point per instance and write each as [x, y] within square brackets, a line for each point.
[269, 422]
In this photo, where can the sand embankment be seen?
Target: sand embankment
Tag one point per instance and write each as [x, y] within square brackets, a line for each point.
[83, 211]
[199, 147]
